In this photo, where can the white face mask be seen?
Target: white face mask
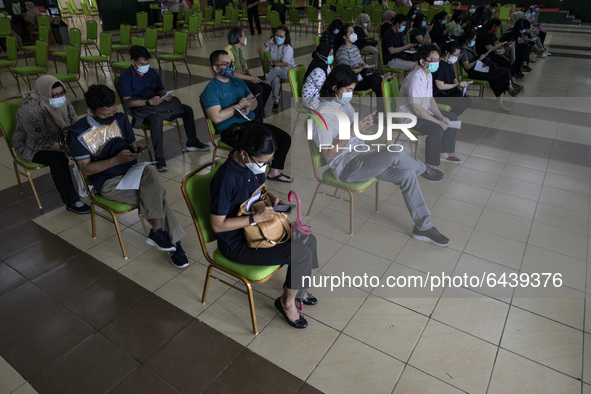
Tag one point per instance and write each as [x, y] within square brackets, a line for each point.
[254, 168]
[353, 38]
[345, 98]
[365, 24]
[142, 69]
[57, 102]
[452, 59]
[245, 41]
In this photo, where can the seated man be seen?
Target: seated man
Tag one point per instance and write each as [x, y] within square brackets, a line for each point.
[143, 97]
[416, 97]
[228, 101]
[394, 45]
[103, 145]
[258, 88]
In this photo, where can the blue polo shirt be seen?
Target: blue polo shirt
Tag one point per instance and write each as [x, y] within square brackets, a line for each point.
[132, 84]
[226, 94]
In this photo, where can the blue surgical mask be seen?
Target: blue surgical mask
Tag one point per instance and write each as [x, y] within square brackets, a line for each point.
[472, 10]
[527, 15]
[443, 22]
[365, 24]
[336, 31]
[424, 24]
[433, 67]
[279, 40]
[345, 98]
[57, 102]
[401, 29]
[143, 69]
[245, 38]
[471, 44]
[227, 72]
[522, 31]
[330, 59]
[493, 10]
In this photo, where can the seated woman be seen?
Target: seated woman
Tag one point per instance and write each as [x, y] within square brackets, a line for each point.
[456, 25]
[517, 35]
[234, 183]
[536, 32]
[365, 41]
[352, 165]
[348, 54]
[386, 22]
[281, 60]
[499, 78]
[439, 31]
[420, 31]
[446, 88]
[487, 42]
[330, 34]
[40, 120]
[316, 74]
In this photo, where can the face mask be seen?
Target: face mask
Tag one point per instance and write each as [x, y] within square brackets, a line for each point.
[365, 24]
[522, 31]
[494, 31]
[527, 15]
[443, 22]
[227, 72]
[336, 31]
[424, 24]
[330, 59]
[104, 121]
[452, 59]
[533, 14]
[346, 97]
[254, 168]
[412, 17]
[353, 38]
[279, 40]
[401, 29]
[57, 102]
[433, 67]
[245, 41]
[143, 69]
[493, 10]
[471, 44]
[472, 10]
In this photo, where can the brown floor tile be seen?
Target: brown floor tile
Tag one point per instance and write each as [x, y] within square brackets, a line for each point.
[20, 237]
[10, 219]
[30, 209]
[12, 196]
[35, 331]
[94, 366]
[307, 389]
[147, 326]
[9, 278]
[70, 278]
[143, 381]
[106, 300]
[43, 256]
[251, 373]
[194, 358]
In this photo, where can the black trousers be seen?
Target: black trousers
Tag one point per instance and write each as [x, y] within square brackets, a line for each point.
[498, 78]
[373, 82]
[156, 128]
[300, 258]
[455, 100]
[59, 166]
[283, 143]
[438, 141]
[264, 91]
[253, 13]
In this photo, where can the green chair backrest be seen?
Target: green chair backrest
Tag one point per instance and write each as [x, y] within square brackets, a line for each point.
[8, 119]
[339, 9]
[85, 8]
[234, 15]
[294, 15]
[124, 33]
[154, 6]
[381, 54]
[274, 20]
[5, 28]
[73, 59]
[317, 158]
[312, 13]
[75, 36]
[105, 44]
[91, 30]
[208, 14]
[330, 15]
[180, 42]
[265, 56]
[196, 7]
[296, 80]
[236, 3]
[406, 8]
[167, 22]
[219, 15]
[194, 23]
[151, 38]
[317, 39]
[351, 4]
[141, 20]
[376, 16]
[43, 33]
[43, 20]
[424, 6]
[357, 11]
[228, 11]
[390, 91]
[141, 41]
[346, 15]
[11, 48]
[197, 190]
[41, 53]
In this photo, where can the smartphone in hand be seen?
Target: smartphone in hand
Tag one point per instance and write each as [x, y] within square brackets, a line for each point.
[283, 208]
[167, 94]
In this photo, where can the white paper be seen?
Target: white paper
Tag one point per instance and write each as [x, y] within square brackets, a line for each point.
[131, 180]
[167, 94]
[481, 67]
[455, 124]
[242, 114]
[466, 87]
[409, 51]
[255, 197]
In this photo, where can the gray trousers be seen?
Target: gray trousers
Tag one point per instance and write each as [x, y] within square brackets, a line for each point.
[375, 55]
[401, 64]
[395, 167]
[151, 198]
[274, 78]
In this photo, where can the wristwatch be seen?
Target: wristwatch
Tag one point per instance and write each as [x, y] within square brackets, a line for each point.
[148, 103]
[251, 220]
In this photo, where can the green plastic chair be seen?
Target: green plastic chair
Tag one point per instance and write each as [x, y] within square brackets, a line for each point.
[215, 23]
[196, 192]
[42, 34]
[120, 66]
[103, 57]
[376, 19]
[8, 110]
[274, 20]
[152, 43]
[463, 76]
[180, 52]
[40, 67]
[88, 12]
[124, 40]
[329, 179]
[75, 39]
[194, 24]
[64, 12]
[295, 76]
[141, 22]
[217, 143]
[357, 10]
[11, 55]
[313, 17]
[317, 39]
[43, 20]
[330, 16]
[346, 15]
[5, 29]
[91, 37]
[294, 20]
[208, 14]
[72, 68]
[167, 19]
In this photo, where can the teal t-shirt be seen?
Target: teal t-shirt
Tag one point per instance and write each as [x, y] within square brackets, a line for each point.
[226, 94]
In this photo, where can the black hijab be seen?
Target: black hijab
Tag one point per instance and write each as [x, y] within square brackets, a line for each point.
[319, 57]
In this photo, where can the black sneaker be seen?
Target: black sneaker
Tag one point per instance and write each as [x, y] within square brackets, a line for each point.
[433, 174]
[160, 240]
[179, 258]
[197, 147]
[431, 235]
[161, 164]
[79, 207]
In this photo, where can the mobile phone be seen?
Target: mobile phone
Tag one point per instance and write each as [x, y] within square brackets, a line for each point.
[255, 96]
[283, 208]
[167, 94]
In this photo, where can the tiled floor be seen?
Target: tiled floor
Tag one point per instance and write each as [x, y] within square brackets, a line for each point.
[76, 317]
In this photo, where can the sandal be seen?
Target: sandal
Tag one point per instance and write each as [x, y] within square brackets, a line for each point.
[278, 178]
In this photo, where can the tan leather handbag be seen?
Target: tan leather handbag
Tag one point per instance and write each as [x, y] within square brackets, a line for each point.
[270, 232]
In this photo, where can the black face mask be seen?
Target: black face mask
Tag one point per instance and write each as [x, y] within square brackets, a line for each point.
[105, 121]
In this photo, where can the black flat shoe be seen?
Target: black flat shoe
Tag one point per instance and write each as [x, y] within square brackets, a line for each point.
[300, 323]
[310, 300]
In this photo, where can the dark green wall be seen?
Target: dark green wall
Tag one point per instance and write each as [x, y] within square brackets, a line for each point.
[115, 12]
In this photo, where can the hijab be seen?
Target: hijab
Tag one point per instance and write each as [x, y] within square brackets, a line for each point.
[361, 19]
[388, 15]
[319, 58]
[42, 94]
[515, 16]
[32, 13]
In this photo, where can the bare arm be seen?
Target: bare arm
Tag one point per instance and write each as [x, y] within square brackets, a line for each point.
[90, 168]
[218, 114]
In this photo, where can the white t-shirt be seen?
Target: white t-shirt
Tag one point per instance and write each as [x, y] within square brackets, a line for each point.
[417, 88]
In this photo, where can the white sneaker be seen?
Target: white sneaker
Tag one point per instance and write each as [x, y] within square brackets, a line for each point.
[544, 55]
[548, 53]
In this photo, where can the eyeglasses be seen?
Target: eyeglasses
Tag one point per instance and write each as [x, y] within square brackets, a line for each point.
[226, 65]
[433, 60]
[261, 165]
[58, 95]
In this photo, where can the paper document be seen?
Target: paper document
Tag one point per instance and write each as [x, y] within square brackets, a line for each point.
[131, 180]
[410, 51]
[167, 94]
[455, 124]
[242, 114]
[481, 67]
[255, 197]
[466, 87]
